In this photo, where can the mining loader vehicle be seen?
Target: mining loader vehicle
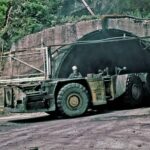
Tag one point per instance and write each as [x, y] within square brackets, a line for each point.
[95, 70]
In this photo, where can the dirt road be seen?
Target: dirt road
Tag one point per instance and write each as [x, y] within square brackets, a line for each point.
[122, 129]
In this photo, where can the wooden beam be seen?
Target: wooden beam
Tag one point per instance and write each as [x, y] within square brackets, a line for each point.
[27, 64]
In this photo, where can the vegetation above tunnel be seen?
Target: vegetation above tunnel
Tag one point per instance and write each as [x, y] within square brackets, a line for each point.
[22, 17]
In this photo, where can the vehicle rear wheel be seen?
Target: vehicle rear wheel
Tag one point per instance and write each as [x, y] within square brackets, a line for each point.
[72, 100]
[134, 91]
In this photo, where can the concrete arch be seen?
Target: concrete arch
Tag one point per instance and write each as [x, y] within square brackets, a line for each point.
[71, 32]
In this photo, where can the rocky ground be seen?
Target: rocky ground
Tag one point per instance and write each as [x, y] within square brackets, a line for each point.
[113, 129]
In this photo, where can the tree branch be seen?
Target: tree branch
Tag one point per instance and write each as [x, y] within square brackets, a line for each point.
[88, 8]
[8, 13]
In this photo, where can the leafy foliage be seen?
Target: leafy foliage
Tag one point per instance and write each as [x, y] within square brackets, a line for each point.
[21, 17]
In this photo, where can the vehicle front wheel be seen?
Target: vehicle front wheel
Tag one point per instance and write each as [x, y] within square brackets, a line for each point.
[72, 100]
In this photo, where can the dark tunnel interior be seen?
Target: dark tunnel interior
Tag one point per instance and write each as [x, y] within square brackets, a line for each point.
[89, 58]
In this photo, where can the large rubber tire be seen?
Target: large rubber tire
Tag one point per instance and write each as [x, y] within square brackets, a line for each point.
[72, 100]
[134, 91]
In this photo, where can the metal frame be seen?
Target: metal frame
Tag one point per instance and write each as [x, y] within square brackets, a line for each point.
[41, 75]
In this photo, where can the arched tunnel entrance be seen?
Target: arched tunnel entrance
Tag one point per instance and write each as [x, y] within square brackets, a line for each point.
[117, 48]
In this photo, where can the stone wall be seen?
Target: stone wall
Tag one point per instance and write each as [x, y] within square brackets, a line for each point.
[135, 26]
[67, 33]
[71, 32]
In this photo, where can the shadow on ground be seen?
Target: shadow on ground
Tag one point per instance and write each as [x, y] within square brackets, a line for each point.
[95, 111]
